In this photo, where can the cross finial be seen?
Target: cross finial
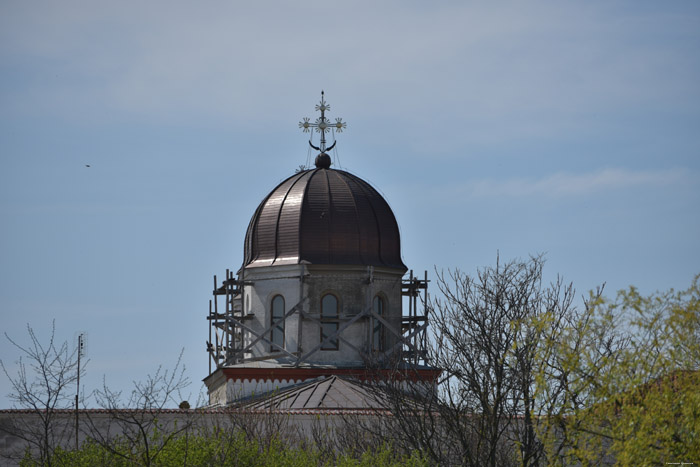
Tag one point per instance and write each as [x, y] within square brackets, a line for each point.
[322, 125]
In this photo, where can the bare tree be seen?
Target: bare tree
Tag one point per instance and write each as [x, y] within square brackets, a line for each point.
[489, 335]
[41, 387]
[486, 345]
[137, 429]
[264, 426]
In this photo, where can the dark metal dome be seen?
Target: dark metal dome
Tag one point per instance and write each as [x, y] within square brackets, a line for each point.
[323, 216]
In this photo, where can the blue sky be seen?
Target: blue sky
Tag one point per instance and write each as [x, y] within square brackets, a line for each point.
[565, 128]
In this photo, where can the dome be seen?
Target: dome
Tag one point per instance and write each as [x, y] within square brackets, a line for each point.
[323, 216]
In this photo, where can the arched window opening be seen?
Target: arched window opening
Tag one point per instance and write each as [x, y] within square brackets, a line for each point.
[276, 314]
[329, 321]
[378, 334]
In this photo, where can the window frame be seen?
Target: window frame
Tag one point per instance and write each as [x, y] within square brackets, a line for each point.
[330, 322]
[280, 328]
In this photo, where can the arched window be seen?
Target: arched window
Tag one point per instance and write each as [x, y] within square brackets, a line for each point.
[329, 321]
[378, 306]
[277, 313]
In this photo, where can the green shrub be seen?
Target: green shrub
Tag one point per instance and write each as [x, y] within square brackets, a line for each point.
[218, 448]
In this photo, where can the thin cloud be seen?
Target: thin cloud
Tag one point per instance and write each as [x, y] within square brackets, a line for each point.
[568, 184]
[524, 68]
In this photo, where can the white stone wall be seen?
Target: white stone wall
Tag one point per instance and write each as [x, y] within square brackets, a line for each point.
[217, 388]
[267, 282]
[354, 286]
[292, 427]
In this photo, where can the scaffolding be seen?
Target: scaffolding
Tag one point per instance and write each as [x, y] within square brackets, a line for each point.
[231, 340]
[414, 323]
[226, 337]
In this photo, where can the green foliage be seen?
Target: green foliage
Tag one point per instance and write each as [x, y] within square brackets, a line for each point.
[655, 418]
[221, 448]
[629, 373]
[382, 457]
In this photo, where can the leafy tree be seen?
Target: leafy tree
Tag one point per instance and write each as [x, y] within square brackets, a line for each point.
[650, 402]
[627, 377]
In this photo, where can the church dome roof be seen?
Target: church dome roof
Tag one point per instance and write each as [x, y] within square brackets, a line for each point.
[323, 216]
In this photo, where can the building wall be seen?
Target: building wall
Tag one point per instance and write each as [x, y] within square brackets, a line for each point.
[354, 286]
[267, 282]
[304, 286]
[355, 289]
[293, 427]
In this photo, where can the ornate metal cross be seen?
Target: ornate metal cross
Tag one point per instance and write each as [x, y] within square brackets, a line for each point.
[322, 125]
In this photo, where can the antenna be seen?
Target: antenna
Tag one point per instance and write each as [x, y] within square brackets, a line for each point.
[80, 340]
[81, 349]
